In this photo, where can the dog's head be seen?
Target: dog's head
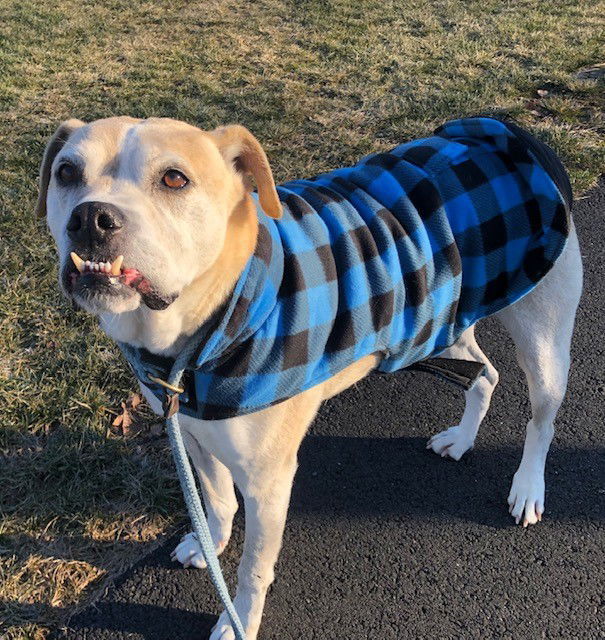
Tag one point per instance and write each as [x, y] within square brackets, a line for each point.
[139, 209]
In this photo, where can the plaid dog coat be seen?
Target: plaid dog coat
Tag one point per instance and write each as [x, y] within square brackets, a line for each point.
[398, 254]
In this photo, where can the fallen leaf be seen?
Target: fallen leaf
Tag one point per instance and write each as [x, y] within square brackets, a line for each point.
[124, 423]
[123, 420]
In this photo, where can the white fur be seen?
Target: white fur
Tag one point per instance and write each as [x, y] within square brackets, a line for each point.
[455, 441]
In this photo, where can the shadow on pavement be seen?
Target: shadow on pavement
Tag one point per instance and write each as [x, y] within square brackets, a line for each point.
[340, 476]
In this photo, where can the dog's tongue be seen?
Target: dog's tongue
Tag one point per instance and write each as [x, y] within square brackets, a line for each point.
[135, 279]
[130, 277]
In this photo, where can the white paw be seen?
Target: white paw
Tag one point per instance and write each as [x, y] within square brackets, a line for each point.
[526, 498]
[452, 443]
[189, 552]
[222, 632]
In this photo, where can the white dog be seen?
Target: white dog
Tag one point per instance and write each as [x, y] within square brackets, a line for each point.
[160, 222]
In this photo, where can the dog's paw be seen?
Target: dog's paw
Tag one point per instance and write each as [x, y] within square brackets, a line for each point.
[451, 443]
[189, 552]
[222, 631]
[526, 498]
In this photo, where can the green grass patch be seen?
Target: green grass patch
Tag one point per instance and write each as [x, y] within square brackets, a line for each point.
[321, 83]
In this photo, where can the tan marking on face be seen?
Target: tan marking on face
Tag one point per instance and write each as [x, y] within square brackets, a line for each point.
[197, 148]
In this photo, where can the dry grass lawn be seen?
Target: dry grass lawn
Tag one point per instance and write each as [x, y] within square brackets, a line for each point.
[321, 83]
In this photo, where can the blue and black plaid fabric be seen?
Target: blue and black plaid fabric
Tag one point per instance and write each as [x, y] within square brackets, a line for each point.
[399, 255]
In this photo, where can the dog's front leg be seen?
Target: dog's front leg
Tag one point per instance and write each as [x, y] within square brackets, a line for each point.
[216, 483]
[220, 502]
[262, 460]
[266, 503]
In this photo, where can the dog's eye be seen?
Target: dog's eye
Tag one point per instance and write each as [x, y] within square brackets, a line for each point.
[67, 173]
[174, 179]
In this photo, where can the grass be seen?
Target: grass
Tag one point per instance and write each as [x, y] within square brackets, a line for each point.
[321, 84]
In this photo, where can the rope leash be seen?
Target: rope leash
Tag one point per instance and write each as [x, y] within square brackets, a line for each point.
[185, 474]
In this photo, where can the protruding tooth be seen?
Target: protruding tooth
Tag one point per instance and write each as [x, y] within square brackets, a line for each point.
[116, 266]
[77, 261]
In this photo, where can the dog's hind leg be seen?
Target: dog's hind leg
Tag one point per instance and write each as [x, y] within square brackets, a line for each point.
[541, 325]
[219, 499]
[455, 441]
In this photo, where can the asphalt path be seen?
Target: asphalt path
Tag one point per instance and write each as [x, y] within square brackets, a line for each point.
[387, 540]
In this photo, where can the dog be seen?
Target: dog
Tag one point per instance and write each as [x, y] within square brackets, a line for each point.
[156, 226]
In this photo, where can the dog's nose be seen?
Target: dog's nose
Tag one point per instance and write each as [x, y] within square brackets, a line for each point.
[94, 222]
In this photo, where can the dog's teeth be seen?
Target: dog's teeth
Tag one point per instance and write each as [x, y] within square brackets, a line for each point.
[111, 269]
[116, 266]
[77, 261]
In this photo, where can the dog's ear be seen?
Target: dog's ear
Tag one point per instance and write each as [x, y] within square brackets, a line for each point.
[55, 144]
[241, 149]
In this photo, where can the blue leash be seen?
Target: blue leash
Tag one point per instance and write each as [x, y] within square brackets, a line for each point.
[185, 474]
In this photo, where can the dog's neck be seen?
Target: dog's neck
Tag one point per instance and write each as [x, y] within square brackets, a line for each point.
[165, 332]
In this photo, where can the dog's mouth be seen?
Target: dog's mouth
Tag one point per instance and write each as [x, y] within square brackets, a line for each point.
[88, 278]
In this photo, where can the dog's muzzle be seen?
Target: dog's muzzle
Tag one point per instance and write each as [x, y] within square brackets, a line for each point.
[96, 269]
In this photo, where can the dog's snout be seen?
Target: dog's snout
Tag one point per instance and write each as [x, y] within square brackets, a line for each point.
[94, 222]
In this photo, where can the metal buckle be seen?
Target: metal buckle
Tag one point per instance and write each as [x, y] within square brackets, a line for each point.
[165, 384]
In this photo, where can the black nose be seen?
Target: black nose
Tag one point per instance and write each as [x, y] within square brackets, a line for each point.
[94, 222]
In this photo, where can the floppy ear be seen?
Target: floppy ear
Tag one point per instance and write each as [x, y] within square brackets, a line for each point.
[241, 149]
[53, 147]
